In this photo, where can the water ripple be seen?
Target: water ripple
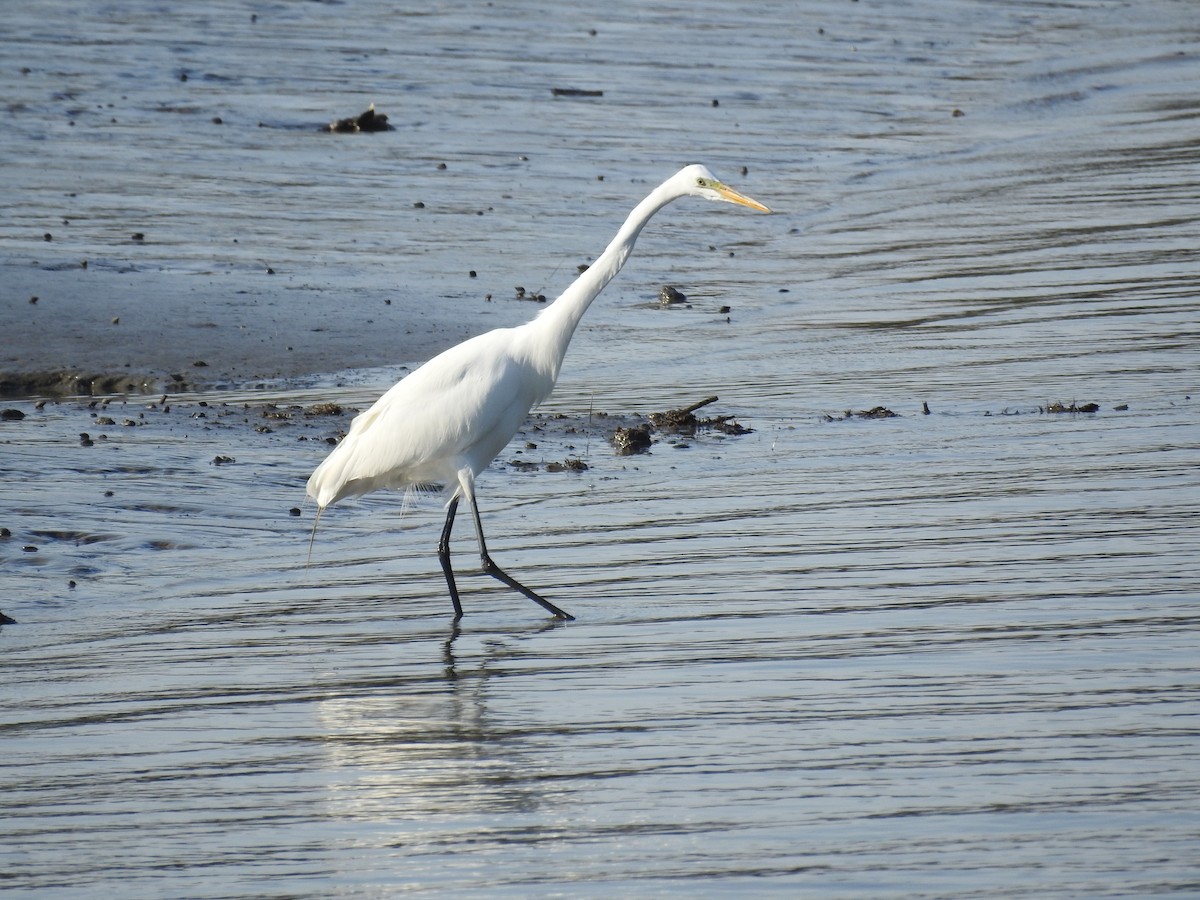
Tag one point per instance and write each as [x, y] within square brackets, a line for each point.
[944, 654]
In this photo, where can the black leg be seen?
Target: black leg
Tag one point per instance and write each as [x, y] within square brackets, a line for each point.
[444, 557]
[496, 572]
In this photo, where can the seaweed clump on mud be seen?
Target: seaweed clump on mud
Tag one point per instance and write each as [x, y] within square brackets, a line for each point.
[366, 122]
[1073, 408]
[685, 421]
[877, 412]
[629, 440]
[632, 439]
[324, 409]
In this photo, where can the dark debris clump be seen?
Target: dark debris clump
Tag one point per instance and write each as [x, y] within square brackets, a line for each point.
[637, 438]
[365, 122]
[878, 412]
[1073, 408]
[631, 440]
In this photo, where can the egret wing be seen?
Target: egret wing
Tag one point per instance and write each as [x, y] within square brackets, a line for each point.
[459, 409]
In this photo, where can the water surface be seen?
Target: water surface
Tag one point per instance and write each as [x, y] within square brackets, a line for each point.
[943, 655]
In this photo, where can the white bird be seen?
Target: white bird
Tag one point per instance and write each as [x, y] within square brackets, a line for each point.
[446, 421]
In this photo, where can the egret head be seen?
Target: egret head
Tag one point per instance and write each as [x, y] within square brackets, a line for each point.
[698, 181]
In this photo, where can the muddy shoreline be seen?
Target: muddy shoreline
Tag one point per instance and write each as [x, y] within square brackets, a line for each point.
[110, 329]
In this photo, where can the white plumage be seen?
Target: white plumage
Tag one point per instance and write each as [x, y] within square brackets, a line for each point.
[448, 420]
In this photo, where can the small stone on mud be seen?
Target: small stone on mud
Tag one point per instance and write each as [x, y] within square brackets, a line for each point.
[668, 296]
[12, 415]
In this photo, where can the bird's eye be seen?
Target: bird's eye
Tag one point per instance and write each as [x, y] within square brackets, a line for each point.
[701, 182]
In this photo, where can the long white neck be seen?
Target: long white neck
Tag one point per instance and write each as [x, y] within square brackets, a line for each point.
[553, 328]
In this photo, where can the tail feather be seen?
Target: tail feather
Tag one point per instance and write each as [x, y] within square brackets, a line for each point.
[327, 483]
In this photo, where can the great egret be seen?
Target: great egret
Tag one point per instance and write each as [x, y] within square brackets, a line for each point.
[446, 421]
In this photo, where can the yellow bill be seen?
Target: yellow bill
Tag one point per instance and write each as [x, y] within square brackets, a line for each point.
[728, 193]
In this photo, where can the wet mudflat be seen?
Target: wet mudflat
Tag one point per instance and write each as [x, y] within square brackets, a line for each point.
[947, 654]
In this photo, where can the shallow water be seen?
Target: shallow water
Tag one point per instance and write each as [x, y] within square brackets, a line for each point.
[944, 655]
